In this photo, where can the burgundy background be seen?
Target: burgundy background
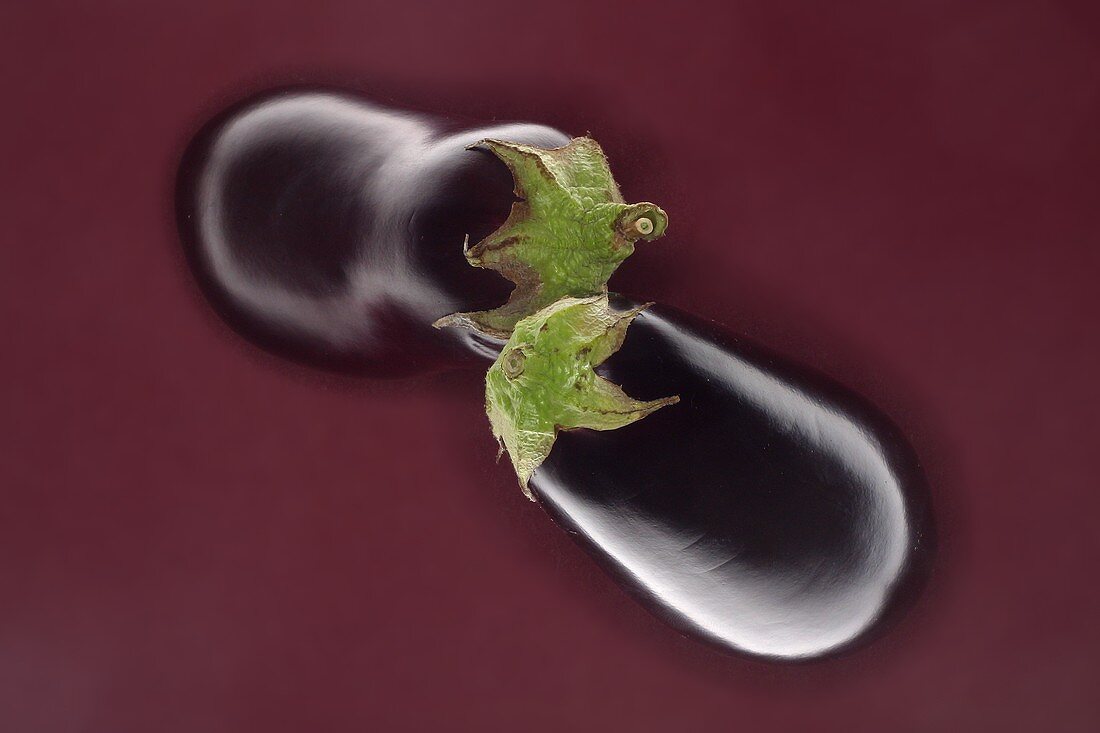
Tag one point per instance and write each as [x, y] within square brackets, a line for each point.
[198, 536]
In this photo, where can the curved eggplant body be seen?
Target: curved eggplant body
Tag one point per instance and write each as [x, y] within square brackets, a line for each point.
[769, 512]
[331, 230]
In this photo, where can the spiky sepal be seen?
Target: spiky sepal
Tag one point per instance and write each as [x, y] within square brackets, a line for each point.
[544, 380]
[565, 236]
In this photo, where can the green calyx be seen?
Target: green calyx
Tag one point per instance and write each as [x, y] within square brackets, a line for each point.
[544, 380]
[566, 235]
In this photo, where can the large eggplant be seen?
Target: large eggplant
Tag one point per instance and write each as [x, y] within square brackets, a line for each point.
[771, 511]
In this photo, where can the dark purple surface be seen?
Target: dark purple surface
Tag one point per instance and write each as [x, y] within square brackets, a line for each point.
[194, 535]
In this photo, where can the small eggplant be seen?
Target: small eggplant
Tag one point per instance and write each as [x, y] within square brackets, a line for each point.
[770, 511]
[330, 230]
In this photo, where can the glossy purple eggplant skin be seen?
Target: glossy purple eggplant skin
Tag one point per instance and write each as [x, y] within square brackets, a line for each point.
[770, 512]
[330, 230]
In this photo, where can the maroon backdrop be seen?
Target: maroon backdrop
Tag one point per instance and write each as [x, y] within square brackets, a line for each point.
[197, 536]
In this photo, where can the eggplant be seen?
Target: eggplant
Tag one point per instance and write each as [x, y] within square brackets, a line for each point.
[771, 512]
[330, 230]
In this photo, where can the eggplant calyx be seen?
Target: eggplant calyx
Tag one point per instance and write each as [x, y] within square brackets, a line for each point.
[564, 237]
[544, 380]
